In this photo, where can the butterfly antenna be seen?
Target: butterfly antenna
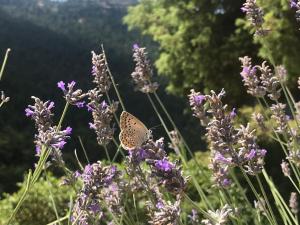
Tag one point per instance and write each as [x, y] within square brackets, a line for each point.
[152, 128]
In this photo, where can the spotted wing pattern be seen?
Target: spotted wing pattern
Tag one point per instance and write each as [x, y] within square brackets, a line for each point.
[133, 132]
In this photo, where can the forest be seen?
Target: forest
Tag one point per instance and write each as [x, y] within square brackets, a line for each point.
[210, 77]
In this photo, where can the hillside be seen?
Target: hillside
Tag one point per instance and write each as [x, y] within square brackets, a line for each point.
[51, 41]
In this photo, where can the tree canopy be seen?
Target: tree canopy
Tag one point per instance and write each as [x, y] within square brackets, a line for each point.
[201, 40]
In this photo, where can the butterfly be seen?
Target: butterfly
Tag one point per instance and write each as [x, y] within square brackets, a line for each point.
[133, 132]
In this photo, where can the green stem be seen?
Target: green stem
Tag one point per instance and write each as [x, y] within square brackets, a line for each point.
[62, 116]
[83, 148]
[16, 209]
[236, 181]
[107, 154]
[59, 220]
[110, 103]
[257, 195]
[4, 63]
[52, 198]
[278, 195]
[112, 79]
[119, 148]
[266, 198]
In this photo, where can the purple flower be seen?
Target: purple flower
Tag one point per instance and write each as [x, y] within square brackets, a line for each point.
[138, 155]
[255, 15]
[101, 188]
[92, 126]
[194, 217]
[73, 97]
[51, 105]
[159, 205]
[80, 104]
[135, 46]
[59, 144]
[293, 4]
[38, 150]
[263, 152]
[89, 108]
[246, 71]
[28, 112]
[104, 105]
[251, 154]
[233, 113]
[164, 165]
[68, 130]
[99, 71]
[243, 9]
[196, 99]
[71, 84]
[94, 207]
[102, 117]
[250, 78]
[77, 174]
[219, 157]
[61, 85]
[226, 182]
[199, 99]
[142, 73]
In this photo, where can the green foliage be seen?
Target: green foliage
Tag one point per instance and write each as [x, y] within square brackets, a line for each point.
[198, 44]
[37, 208]
[281, 46]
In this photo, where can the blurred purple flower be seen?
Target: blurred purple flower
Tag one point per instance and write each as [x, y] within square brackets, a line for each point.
[164, 165]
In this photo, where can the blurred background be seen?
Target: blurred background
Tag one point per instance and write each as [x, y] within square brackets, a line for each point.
[192, 44]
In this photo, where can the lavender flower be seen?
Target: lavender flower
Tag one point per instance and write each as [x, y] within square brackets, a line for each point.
[167, 174]
[249, 152]
[259, 118]
[294, 154]
[73, 97]
[220, 216]
[294, 203]
[194, 217]
[269, 81]
[230, 147]
[296, 4]
[143, 73]
[221, 136]
[281, 119]
[99, 71]
[255, 15]
[196, 100]
[41, 113]
[102, 116]
[285, 168]
[100, 184]
[250, 78]
[281, 73]
[48, 136]
[167, 214]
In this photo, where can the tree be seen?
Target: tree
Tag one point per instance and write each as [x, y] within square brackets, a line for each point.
[198, 44]
[201, 40]
[281, 45]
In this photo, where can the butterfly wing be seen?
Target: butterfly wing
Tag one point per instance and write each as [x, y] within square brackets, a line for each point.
[133, 131]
